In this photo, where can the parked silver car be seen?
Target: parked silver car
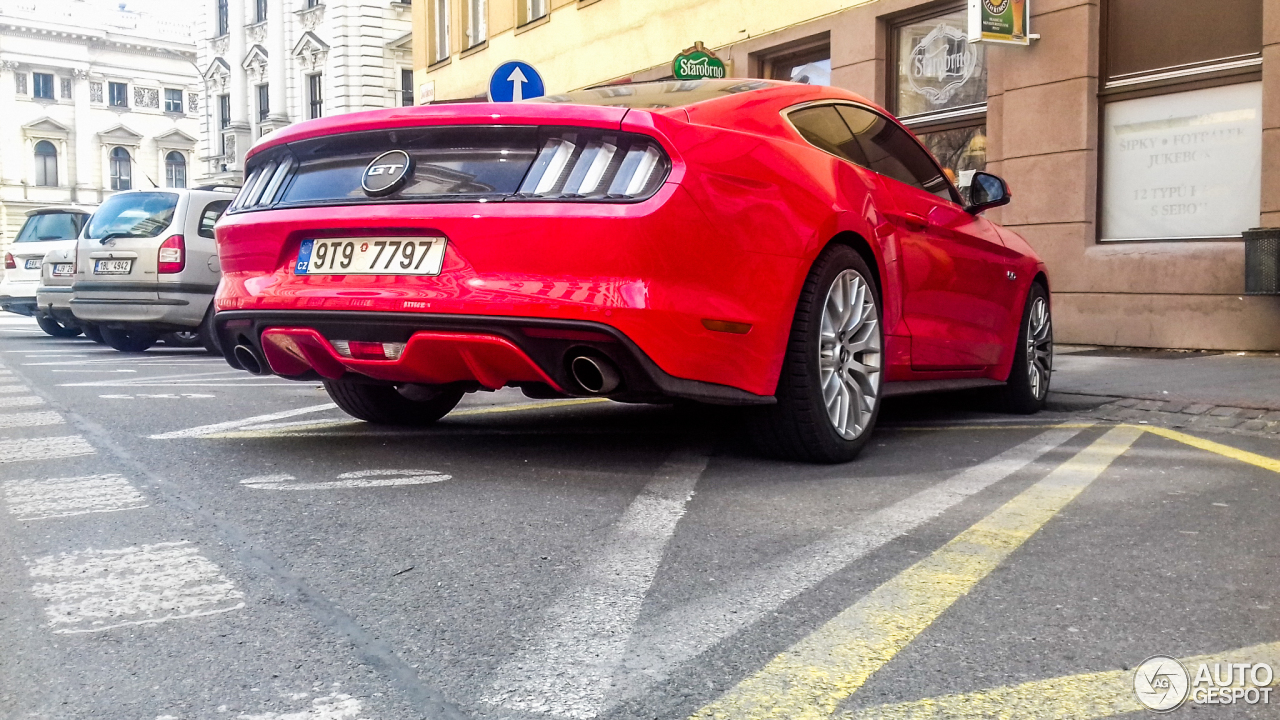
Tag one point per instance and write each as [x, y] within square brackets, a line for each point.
[147, 265]
[53, 296]
[49, 228]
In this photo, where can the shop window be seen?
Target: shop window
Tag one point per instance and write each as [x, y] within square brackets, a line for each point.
[1181, 128]
[175, 170]
[42, 86]
[439, 30]
[46, 164]
[121, 169]
[809, 65]
[939, 89]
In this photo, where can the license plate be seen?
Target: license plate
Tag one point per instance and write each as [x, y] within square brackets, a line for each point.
[33, 264]
[371, 256]
[112, 267]
[63, 269]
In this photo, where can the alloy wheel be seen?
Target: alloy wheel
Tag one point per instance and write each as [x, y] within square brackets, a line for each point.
[849, 354]
[1039, 347]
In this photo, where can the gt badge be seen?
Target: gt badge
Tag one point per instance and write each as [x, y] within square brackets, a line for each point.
[387, 173]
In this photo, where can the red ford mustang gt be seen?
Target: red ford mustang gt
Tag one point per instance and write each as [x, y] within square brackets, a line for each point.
[786, 247]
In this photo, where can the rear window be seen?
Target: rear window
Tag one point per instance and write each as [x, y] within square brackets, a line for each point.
[51, 226]
[138, 215]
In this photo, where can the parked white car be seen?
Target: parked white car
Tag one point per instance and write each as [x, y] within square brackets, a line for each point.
[46, 229]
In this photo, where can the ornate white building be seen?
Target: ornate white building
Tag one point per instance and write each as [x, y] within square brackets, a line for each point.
[268, 63]
[92, 100]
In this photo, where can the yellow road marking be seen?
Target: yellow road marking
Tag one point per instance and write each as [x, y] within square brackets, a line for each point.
[1075, 697]
[1243, 456]
[812, 678]
[989, 426]
[321, 425]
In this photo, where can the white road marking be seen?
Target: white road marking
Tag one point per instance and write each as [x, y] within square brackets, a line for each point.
[159, 396]
[30, 419]
[685, 632]
[96, 590]
[566, 670]
[232, 424]
[64, 497]
[48, 448]
[11, 389]
[93, 370]
[357, 479]
[25, 401]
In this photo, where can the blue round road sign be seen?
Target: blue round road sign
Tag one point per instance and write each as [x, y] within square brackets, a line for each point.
[515, 81]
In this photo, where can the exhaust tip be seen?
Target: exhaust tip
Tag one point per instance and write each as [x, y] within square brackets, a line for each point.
[595, 375]
[249, 360]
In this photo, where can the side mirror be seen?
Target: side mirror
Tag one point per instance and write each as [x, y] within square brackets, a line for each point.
[987, 191]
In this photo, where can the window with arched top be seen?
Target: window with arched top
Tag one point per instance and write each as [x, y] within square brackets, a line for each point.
[46, 164]
[175, 170]
[121, 169]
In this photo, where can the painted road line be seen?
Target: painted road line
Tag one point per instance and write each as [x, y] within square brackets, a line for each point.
[30, 419]
[1243, 456]
[48, 448]
[565, 671]
[12, 389]
[357, 479]
[1079, 697]
[812, 678]
[687, 631]
[64, 497]
[96, 590]
[232, 424]
[24, 401]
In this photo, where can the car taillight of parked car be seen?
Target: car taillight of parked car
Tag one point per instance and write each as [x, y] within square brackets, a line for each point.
[9, 262]
[172, 257]
[589, 164]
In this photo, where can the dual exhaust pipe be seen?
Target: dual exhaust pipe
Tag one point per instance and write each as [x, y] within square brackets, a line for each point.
[593, 374]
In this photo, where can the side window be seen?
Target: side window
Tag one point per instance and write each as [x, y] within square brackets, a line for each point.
[890, 151]
[210, 216]
[824, 129]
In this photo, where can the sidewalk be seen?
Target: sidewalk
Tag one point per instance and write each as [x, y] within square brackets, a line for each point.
[1176, 389]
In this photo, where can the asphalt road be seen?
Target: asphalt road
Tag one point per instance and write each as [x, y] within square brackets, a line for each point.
[180, 540]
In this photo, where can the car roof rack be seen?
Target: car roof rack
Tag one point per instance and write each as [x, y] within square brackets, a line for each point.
[218, 186]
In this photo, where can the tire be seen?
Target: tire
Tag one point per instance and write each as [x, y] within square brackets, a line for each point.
[56, 329]
[1027, 388]
[182, 339]
[385, 405]
[93, 332]
[801, 425]
[129, 340]
[208, 334]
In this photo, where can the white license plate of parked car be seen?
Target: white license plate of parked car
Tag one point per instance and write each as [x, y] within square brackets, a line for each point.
[63, 269]
[112, 267]
[33, 264]
[371, 256]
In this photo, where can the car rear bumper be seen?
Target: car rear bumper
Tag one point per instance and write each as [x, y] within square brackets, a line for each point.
[20, 305]
[163, 307]
[474, 351]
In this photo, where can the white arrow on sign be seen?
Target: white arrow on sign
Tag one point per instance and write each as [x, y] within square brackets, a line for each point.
[517, 80]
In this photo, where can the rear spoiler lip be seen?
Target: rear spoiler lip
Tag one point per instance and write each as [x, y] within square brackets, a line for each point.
[595, 116]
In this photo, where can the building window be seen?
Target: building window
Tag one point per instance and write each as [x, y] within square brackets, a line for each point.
[939, 90]
[118, 94]
[20, 83]
[260, 11]
[95, 92]
[172, 100]
[264, 102]
[406, 86]
[1181, 128]
[46, 164]
[477, 22]
[42, 86]
[121, 169]
[531, 10]
[65, 84]
[175, 170]
[224, 122]
[315, 95]
[224, 21]
[810, 65]
[313, 3]
[439, 30]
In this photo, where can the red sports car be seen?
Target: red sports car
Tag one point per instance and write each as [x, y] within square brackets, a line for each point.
[785, 247]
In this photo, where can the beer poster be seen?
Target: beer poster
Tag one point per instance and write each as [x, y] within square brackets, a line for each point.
[999, 21]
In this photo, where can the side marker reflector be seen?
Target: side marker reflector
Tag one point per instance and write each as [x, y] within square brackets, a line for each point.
[726, 326]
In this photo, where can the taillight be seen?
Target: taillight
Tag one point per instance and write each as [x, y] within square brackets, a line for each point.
[9, 262]
[172, 257]
[593, 165]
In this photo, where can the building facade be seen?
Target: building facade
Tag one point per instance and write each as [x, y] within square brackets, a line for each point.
[92, 102]
[1140, 138]
[268, 63]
